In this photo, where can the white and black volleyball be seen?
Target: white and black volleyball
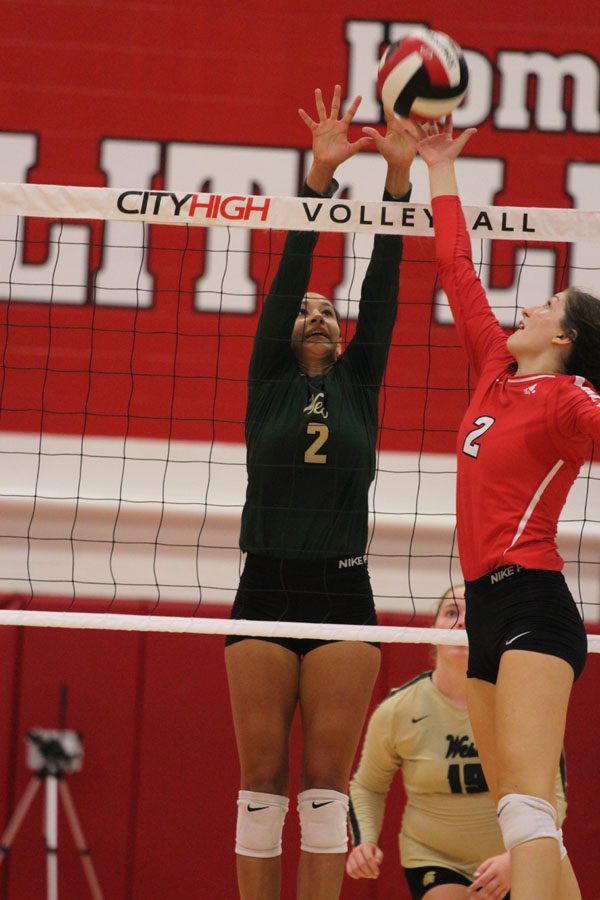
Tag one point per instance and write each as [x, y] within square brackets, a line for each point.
[423, 76]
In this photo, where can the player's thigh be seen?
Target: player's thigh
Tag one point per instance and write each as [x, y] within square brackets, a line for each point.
[569, 888]
[336, 683]
[532, 696]
[447, 892]
[263, 690]
[481, 701]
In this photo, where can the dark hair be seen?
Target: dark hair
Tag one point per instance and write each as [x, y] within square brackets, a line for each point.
[581, 323]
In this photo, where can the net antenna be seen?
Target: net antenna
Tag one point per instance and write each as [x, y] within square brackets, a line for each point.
[153, 514]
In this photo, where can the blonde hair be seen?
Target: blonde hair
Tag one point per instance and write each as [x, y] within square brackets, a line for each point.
[450, 592]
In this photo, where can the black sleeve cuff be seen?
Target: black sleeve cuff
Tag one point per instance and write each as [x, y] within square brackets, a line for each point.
[404, 199]
[308, 191]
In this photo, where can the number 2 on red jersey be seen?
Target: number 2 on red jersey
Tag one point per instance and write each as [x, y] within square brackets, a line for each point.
[470, 446]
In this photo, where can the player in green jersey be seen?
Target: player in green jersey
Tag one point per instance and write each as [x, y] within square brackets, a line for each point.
[311, 433]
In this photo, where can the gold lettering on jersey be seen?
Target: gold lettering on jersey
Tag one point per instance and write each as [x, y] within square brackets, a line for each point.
[429, 878]
[316, 407]
[312, 455]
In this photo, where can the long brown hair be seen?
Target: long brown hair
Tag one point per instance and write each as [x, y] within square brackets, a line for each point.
[581, 322]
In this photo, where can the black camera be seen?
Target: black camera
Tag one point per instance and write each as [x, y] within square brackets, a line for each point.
[54, 752]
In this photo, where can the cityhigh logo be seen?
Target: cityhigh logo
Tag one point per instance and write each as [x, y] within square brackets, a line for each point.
[209, 206]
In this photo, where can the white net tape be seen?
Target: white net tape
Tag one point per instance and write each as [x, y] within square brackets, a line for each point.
[388, 634]
[510, 223]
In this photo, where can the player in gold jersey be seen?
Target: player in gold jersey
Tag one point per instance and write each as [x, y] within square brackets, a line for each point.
[450, 839]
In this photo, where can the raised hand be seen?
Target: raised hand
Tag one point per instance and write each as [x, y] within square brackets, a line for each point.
[438, 148]
[330, 142]
[437, 144]
[397, 147]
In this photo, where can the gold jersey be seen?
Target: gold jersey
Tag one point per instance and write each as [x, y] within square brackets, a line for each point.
[449, 819]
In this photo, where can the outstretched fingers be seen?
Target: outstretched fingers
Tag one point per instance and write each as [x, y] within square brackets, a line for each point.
[462, 139]
[360, 144]
[373, 135]
[351, 111]
[320, 105]
[308, 120]
[336, 101]
[418, 131]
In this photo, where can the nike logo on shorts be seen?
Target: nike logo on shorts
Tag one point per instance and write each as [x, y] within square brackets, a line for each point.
[516, 638]
[419, 719]
[256, 808]
[324, 803]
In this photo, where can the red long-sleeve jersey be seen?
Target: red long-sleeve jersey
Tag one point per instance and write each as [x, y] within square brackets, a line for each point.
[522, 440]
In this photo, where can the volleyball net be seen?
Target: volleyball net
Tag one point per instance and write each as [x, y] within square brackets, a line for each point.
[127, 323]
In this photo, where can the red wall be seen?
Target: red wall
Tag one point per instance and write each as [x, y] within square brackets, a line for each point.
[156, 796]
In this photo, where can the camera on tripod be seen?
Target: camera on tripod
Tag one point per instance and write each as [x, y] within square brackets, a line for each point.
[53, 751]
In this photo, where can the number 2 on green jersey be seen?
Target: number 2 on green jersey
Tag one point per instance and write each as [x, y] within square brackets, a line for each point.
[321, 433]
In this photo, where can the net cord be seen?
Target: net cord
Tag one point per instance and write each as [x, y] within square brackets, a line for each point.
[388, 634]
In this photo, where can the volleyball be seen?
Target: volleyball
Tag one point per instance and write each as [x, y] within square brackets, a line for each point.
[424, 76]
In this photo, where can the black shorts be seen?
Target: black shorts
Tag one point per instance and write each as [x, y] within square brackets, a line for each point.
[422, 879]
[332, 591]
[513, 608]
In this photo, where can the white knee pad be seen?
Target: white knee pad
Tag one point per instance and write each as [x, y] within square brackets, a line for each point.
[561, 844]
[260, 823]
[323, 821]
[524, 818]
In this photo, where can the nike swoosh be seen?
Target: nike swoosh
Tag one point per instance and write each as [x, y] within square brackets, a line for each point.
[516, 637]
[256, 808]
[325, 803]
[420, 718]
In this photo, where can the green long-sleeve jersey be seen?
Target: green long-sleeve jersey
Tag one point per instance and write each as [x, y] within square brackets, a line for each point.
[311, 440]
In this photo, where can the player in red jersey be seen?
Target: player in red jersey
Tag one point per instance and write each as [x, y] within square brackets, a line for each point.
[529, 427]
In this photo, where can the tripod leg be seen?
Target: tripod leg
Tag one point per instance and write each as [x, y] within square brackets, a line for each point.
[77, 832]
[17, 817]
[51, 836]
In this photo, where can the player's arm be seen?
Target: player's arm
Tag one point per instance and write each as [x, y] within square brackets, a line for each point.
[369, 788]
[368, 350]
[330, 147]
[577, 412]
[273, 334]
[479, 329]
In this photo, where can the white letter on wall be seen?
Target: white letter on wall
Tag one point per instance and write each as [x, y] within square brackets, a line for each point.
[62, 278]
[226, 283]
